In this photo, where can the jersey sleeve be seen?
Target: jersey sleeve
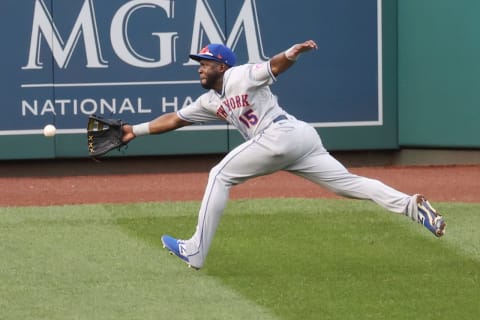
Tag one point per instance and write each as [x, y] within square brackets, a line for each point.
[261, 73]
[203, 109]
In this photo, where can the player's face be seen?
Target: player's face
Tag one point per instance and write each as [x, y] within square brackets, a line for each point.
[211, 74]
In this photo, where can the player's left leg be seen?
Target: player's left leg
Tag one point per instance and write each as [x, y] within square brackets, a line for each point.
[244, 162]
[271, 151]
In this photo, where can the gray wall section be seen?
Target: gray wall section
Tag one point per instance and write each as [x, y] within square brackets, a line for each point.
[324, 72]
[438, 73]
[430, 80]
[375, 137]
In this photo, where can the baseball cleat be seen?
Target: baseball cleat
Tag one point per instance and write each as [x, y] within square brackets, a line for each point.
[429, 217]
[177, 248]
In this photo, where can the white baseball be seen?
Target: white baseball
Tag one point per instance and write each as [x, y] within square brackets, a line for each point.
[49, 130]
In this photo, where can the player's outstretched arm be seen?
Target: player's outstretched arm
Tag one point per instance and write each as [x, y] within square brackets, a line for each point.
[166, 122]
[284, 60]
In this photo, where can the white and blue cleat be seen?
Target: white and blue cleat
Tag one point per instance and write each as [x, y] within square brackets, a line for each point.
[429, 217]
[176, 247]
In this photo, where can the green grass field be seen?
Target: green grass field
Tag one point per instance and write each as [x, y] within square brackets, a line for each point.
[271, 259]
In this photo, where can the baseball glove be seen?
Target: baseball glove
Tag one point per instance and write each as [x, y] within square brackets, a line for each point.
[103, 135]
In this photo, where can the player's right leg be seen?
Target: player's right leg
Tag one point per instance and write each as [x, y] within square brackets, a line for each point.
[323, 169]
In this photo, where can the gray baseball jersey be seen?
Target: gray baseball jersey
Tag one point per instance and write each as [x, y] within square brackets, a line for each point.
[275, 141]
[246, 101]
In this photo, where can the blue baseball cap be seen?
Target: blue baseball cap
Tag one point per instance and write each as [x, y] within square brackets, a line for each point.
[216, 52]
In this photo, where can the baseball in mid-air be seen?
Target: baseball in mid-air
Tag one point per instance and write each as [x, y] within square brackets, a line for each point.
[49, 130]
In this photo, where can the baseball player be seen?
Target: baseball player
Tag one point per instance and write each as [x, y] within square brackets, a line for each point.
[275, 140]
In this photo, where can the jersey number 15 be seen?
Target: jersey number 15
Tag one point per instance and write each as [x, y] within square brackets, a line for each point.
[249, 118]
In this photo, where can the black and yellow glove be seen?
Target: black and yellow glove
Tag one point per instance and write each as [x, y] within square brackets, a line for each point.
[104, 135]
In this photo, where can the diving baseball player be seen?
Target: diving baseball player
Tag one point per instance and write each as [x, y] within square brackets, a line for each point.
[275, 140]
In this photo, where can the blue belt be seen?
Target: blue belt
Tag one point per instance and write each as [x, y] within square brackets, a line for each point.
[280, 118]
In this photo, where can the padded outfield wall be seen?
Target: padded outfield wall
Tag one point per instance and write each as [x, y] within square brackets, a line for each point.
[438, 78]
[65, 59]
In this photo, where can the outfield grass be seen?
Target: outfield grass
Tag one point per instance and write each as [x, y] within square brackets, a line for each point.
[271, 259]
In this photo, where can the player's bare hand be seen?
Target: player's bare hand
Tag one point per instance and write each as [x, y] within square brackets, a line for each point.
[128, 134]
[305, 46]
[295, 50]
